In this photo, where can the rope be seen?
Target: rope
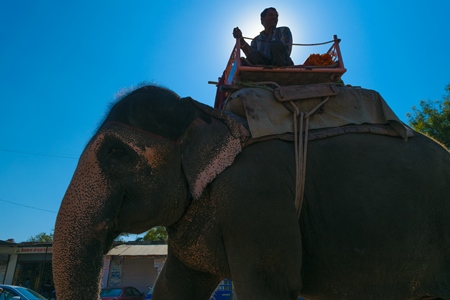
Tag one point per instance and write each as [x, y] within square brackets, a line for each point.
[300, 150]
[262, 84]
[293, 44]
[300, 147]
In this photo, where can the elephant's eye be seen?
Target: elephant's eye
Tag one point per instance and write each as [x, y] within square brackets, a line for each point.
[113, 154]
[116, 152]
[117, 156]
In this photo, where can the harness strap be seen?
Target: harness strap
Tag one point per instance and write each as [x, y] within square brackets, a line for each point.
[301, 149]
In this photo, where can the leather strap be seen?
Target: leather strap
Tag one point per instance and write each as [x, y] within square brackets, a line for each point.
[307, 91]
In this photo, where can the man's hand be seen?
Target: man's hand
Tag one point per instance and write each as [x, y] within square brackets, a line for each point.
[237, 33]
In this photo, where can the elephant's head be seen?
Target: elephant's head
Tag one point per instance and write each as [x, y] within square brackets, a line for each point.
[152, 155]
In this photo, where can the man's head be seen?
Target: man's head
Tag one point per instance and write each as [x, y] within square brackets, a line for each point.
[269, 17]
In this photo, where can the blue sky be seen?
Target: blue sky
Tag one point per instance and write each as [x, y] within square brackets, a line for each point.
[62, 63]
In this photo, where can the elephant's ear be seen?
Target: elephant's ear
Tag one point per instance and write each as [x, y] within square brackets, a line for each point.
[209, 145]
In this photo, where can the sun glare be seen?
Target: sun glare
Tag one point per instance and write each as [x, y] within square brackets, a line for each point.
[248, 19]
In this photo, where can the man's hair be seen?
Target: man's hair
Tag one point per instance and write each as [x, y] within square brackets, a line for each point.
[264, 12]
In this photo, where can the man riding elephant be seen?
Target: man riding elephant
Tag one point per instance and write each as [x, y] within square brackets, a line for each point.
[272, 46]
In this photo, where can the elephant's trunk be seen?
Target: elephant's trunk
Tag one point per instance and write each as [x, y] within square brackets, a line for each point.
[83, 233]
[77, 265]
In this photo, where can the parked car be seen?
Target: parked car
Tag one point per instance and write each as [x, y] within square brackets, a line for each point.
[121, 293]
[14, 292]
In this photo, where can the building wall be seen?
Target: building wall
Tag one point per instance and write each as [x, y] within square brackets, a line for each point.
[4, 259]
[34, 263]
[139, 272]
[11, 269]
[6, 253]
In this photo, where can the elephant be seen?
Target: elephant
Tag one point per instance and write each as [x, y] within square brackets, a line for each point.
[374, 223]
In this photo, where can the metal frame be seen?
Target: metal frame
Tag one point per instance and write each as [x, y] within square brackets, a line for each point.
[235, 72]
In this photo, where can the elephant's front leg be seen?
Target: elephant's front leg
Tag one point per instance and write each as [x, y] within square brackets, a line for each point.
[178, 282]
[266, 270]
[265, 254]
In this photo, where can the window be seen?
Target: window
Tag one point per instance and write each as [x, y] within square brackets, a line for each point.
[7, 295]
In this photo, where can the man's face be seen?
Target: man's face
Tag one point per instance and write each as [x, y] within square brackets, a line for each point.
[270, 19]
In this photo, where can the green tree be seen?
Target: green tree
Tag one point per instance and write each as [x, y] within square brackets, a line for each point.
[156, 234]
[41, 238]
[433, 118]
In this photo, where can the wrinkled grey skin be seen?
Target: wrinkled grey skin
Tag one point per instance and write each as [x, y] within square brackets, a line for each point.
[375, 222]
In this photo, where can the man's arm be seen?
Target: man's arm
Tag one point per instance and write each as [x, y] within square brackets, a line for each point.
[237, 34]
[286, 38]
[245, 47]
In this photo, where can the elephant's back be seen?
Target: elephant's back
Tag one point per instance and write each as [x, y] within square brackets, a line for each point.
[376, 213]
